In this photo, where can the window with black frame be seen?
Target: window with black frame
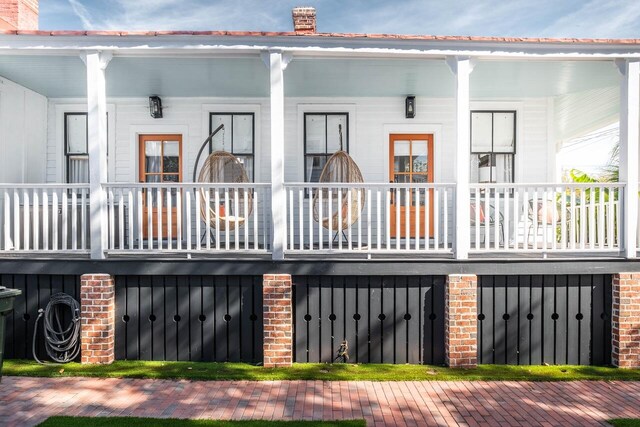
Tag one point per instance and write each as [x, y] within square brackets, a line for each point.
[324, 134]
[493, 146]
[237, 137]
[76, 148]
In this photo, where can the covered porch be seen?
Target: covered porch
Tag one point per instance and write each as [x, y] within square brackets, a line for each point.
[472, 175]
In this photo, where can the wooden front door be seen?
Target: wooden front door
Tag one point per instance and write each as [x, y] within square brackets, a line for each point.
[410, 161]
[160, 161]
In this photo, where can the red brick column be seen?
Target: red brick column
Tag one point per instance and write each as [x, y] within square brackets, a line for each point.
[625, 320]
[278, 320]
[97, 336]
[461, 321]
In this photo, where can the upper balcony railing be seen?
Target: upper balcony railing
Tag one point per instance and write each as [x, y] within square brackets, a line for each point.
[342, 220]
[546, 217]
[44, 218]
[369, 218]
[171, 217]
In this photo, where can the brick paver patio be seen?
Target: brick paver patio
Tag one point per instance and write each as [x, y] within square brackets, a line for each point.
[28, 401]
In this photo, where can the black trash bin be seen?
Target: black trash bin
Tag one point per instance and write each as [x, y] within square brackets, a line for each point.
[6, 305]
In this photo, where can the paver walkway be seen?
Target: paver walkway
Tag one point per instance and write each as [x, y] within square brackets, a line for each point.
[28, 401]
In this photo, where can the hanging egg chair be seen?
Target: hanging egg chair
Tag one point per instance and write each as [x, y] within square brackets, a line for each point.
[346, 203]
[222, 167]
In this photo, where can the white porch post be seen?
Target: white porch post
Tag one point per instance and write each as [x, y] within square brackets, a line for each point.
[462, 68]
[96, 63]
[276, 65]
[629, 141]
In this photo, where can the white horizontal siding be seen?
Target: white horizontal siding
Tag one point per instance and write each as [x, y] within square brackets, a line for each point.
[368, 144]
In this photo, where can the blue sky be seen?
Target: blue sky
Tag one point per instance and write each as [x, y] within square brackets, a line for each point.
[536, 18]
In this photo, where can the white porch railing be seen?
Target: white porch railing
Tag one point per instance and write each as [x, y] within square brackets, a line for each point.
[546, 217]
[369, 218]
[188, 217]
[44, 217]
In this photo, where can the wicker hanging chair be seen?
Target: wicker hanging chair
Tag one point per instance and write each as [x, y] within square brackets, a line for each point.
[340, 168]
[223, 167]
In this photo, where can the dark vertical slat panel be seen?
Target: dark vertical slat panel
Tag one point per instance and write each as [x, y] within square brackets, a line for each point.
[121, 327]
[146, 332]
[195, 325]
[607, 318]
[183, 310]
[208, 308]
[524, 320]
[132, 286]
[414, 329]
[389, 322]
[158, 321]
[362, 297]
[427, 320]
[9, 337]
[245, 309]
[326, 349]
[338, 308]
[400, 310]
[170, 304]
[300, 301]
[597, 322]
[438, 322]
[24, 318]
[43, 289]
[584, 323]
[233, 324]
[537, 320]
[512, 331]
[350, 309]
[499, 323]
[561, 322]
[573, 324]
[375, 324]
[314, 318]
[488, 320]
[220, 324]
[548, 324]
[259, 323]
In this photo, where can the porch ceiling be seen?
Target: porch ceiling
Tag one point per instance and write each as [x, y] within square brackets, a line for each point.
[65, 76]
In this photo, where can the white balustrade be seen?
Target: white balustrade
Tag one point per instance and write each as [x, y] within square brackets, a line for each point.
[44, 217]
[565, 217]
[188, 217]
[369, 218]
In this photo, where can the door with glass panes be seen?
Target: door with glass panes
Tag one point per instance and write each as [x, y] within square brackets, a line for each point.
[410, 161]
[160, 161]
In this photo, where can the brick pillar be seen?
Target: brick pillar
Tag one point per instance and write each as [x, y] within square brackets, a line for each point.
[278, 320]
[625, 320]
[97, 301]
[461, 321]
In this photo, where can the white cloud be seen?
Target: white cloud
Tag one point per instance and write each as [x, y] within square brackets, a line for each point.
[82, 13]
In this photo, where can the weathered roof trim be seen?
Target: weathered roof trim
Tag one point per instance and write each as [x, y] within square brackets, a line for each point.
[323, 35]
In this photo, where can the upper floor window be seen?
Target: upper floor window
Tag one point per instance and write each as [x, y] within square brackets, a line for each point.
[324, 134]
[493, 146]
[237, 137]
[76, 148]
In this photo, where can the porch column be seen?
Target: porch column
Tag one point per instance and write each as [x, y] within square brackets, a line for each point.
[96, 63]
[629, 129]
[276, 65]
[462, 68]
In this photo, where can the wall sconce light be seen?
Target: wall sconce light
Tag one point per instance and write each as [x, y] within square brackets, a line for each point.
[410, 107]
[155, 107]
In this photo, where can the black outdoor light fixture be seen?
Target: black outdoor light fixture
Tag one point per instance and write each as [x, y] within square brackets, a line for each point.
[155, 107]
[410, 107]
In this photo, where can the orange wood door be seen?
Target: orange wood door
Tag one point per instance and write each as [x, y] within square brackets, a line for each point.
[160, 162]
[410, 161]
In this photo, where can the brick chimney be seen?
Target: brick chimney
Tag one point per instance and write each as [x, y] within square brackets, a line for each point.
[18, 14]
[304, 20]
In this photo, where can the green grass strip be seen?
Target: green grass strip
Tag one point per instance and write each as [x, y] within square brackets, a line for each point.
[170, 422]
[625, 422]
[317, 371]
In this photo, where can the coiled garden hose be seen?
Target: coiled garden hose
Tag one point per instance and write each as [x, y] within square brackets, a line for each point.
[62, 344]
